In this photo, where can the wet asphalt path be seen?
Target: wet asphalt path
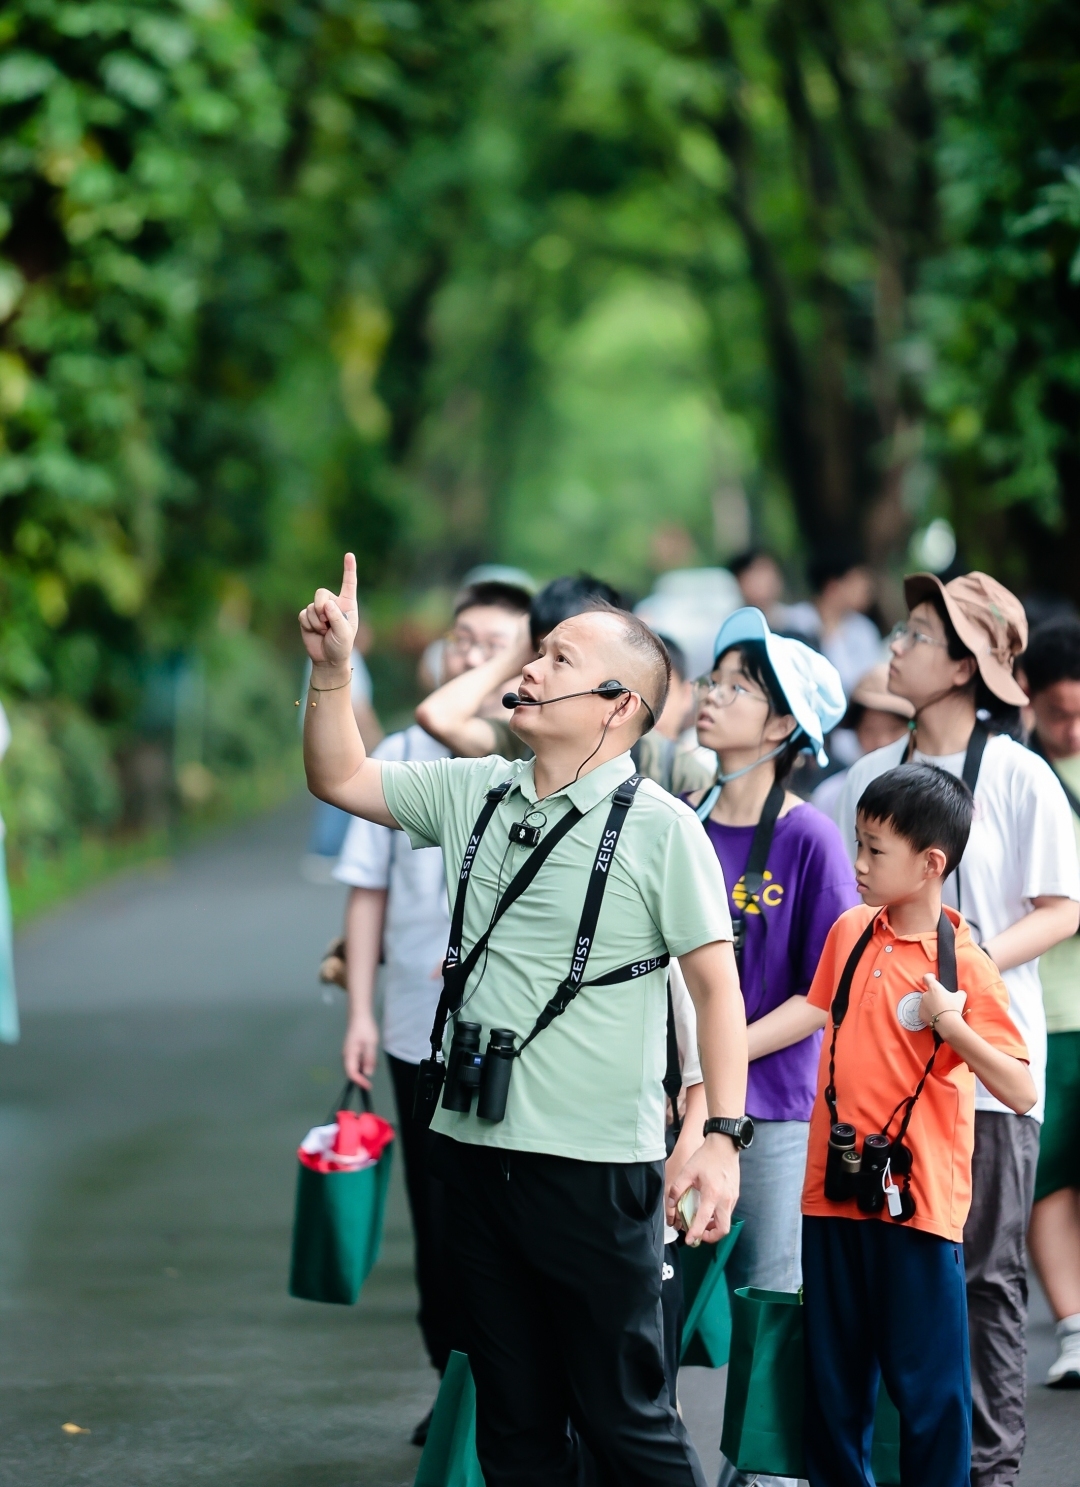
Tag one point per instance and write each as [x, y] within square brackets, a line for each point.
[176, 1047]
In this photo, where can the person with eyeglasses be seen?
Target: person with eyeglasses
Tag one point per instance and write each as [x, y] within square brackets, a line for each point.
[767, 699]
[1017, 886]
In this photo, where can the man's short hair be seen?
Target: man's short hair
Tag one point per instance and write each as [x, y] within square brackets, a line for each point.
[565, 597]
[1053, 655]
[649, 650]
[925, 805]
[492, 594]
[676, 655]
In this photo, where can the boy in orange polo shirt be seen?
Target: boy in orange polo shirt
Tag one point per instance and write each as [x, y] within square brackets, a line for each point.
[888, 1173]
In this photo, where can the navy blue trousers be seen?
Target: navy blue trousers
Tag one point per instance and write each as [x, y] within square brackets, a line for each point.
[885, 1301]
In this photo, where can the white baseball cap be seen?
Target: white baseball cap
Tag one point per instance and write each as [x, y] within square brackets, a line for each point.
[810, 684]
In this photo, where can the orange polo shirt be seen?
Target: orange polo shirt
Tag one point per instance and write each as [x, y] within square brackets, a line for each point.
[881, 1051]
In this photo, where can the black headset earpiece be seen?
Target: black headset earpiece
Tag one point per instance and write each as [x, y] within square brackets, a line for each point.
[610, 690]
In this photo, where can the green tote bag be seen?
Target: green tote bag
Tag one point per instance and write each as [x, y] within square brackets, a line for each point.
[763, 1411]
[449, 1458]
[337, 1229]
[706, 1334]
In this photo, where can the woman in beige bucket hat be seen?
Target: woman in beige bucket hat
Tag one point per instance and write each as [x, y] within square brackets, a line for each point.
[1018, 887]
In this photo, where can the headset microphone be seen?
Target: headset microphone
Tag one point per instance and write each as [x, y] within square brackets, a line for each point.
[608, 690]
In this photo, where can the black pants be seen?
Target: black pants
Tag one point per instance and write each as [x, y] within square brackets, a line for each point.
[558, 1264]
[995, 1255]
[427, 1206]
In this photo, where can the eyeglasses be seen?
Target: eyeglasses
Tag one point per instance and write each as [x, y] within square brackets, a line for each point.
[724, 692]
[463, 645]
[906, 637]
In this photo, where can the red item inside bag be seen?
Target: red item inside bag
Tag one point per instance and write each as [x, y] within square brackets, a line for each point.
[353, 1142]
[362, 1132]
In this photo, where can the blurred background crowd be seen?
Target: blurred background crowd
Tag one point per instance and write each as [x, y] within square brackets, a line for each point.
[710, 297]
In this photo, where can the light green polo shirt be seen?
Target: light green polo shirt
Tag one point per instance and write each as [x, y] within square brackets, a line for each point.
[1059, 968]
[589, 1086]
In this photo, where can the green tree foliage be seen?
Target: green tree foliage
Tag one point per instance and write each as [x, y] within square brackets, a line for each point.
[567, 284]
[220, 223]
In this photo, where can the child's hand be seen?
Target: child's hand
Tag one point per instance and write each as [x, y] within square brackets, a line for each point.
[936, 999]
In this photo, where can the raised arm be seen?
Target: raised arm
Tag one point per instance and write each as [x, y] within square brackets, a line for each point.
[335, 760]
[450, 714]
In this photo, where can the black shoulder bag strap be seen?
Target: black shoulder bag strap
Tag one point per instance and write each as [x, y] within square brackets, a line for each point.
[621, 801]
[672, 1080]
[456, 972]
[973, 754]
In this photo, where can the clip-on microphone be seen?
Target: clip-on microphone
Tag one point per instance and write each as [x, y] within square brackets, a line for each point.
[524, 836]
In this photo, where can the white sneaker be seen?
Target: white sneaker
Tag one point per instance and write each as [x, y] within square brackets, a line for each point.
[1065, 1369]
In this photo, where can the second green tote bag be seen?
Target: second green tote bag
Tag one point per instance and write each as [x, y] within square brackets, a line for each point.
[763, 1411]
[337, 1229]
[449, 1458]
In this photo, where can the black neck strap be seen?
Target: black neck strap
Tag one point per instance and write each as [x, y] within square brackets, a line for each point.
[754, 877]
[946, 974]
[621, 801]
[973, 754]
[456, 971]
[760, 847]
[976, 744]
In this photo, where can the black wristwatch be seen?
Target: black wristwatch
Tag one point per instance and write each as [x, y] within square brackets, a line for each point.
[739, 1127]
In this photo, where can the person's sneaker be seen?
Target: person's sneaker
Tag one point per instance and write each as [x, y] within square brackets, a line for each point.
[1065, 1369]
[420, 1434]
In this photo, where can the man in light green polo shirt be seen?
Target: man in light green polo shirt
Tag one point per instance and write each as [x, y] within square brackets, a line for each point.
[555, 1210]
[1051, 667]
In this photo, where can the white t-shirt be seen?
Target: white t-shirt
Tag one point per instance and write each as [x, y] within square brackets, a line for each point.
[417, 923]
[1021, 848]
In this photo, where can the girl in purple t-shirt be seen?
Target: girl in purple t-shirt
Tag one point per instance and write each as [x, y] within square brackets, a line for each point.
[767, 699]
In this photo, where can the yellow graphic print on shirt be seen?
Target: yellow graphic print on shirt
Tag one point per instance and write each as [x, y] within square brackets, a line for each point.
[771, 894]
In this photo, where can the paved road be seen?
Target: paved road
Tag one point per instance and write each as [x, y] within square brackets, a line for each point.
[176, 1046]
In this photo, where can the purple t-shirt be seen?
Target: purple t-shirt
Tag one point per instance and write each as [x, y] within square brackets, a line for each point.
[809, 883]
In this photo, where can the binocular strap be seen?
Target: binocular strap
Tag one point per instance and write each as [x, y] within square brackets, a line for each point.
[899, 1155]
[455, 971]
[621, 801]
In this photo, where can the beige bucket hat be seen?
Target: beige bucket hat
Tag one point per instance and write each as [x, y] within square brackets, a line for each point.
[988, 619]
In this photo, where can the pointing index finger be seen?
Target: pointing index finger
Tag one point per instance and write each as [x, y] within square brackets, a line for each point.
[347, 599]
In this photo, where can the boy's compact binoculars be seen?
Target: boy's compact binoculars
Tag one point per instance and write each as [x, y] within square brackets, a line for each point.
[861, 1175]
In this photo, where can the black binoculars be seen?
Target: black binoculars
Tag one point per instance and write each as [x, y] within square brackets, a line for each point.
[854, 1174]
[486, 1075]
